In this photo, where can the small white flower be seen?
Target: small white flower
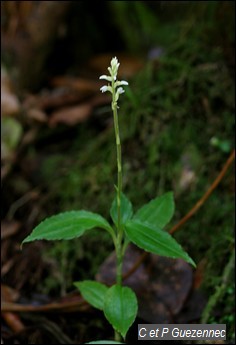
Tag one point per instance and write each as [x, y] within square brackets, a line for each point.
[120, 90]
[104, 88]
[122, 82]
[114, 86]
[106, 77]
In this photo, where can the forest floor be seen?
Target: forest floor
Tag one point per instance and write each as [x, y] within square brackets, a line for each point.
[58, 149]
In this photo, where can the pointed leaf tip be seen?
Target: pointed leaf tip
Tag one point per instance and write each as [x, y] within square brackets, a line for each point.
[155, 240]
[120, 308]
[67, 225]
[158, 211]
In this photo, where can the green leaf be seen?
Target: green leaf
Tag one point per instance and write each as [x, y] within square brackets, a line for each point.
[155, 240]
[120, 308]
[67, 225]
[158, 211]
[126, 209]
[93, 292]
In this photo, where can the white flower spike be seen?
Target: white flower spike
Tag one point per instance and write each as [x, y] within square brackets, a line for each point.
[114, 86]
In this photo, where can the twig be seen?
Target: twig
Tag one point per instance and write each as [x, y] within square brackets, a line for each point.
[206, 195]
[190, 213]
[76, 305]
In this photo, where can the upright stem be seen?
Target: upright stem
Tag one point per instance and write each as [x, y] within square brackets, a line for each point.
[119, 190]
[119, 255]
[119, 166]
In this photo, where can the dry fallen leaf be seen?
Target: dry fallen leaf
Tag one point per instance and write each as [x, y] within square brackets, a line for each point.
[9, 228]
[37, 115]
[10, 104]
[54, 99]
[193, 308]
[13, 320]
[80, 84]
[71, 115]
[161, 284]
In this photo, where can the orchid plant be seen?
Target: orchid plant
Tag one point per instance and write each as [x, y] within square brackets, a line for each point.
[144, 228]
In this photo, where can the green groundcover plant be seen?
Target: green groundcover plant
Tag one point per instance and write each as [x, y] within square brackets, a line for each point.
[144, 229]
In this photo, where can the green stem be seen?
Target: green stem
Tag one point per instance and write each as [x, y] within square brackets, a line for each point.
[119, 166]
[119, 190]
[119, 251]
[119, 258]
[117, 336]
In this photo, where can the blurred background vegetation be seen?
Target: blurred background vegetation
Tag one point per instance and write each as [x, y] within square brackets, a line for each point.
[176, 120]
